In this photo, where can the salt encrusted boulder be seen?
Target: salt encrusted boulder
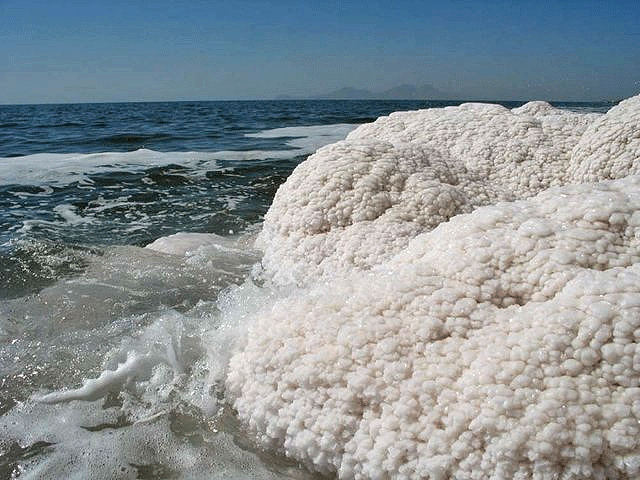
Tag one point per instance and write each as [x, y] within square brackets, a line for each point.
[359, 201]
[502, 344]
[610, 147]
[353, 202]
[523, 150]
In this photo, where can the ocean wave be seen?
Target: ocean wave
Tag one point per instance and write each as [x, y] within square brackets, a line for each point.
[64, 168]
[131, 139]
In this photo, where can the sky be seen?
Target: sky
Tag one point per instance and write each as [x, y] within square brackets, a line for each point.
[73, 51]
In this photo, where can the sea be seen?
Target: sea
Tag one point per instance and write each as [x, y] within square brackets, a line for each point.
[84, 188]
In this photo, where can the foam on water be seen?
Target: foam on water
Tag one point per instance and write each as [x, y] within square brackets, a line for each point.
[85, 440]
[149, 377]
[57, 169]
[135, 197]
[309, 139]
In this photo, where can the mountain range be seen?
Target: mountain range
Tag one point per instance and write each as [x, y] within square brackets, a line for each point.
[401, 92]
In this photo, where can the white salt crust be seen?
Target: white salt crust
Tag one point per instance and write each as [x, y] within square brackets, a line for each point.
[356, 202]
[433, 337]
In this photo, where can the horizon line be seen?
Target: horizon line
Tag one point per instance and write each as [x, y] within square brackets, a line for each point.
[315, 99]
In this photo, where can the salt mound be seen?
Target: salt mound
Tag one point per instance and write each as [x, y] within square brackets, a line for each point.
[502, 343]
[610, 147]
[352, 202]
[357, 202]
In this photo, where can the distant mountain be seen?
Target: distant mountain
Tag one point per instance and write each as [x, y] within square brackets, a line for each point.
[401, 92]
[411, 92]
[348, 93]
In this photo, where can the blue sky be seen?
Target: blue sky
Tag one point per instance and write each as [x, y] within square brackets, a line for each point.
[89, 50]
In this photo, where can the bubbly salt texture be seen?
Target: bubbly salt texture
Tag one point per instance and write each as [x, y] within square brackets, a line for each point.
[376, 337]
[503, 343]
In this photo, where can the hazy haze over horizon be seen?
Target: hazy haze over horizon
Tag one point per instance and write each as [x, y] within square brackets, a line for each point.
[68, 51]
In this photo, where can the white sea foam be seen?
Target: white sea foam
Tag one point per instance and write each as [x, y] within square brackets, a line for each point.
[84, 440]
[59, 169]
[68, 213]
[155, 363]
[309, 138]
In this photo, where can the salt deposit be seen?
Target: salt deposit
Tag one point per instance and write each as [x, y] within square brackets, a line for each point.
[456, 317]
[610, 146]
[357, 202]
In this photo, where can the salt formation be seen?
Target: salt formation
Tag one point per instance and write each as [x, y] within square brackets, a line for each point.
[433, 337]
[357, 202]
[610, 146]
